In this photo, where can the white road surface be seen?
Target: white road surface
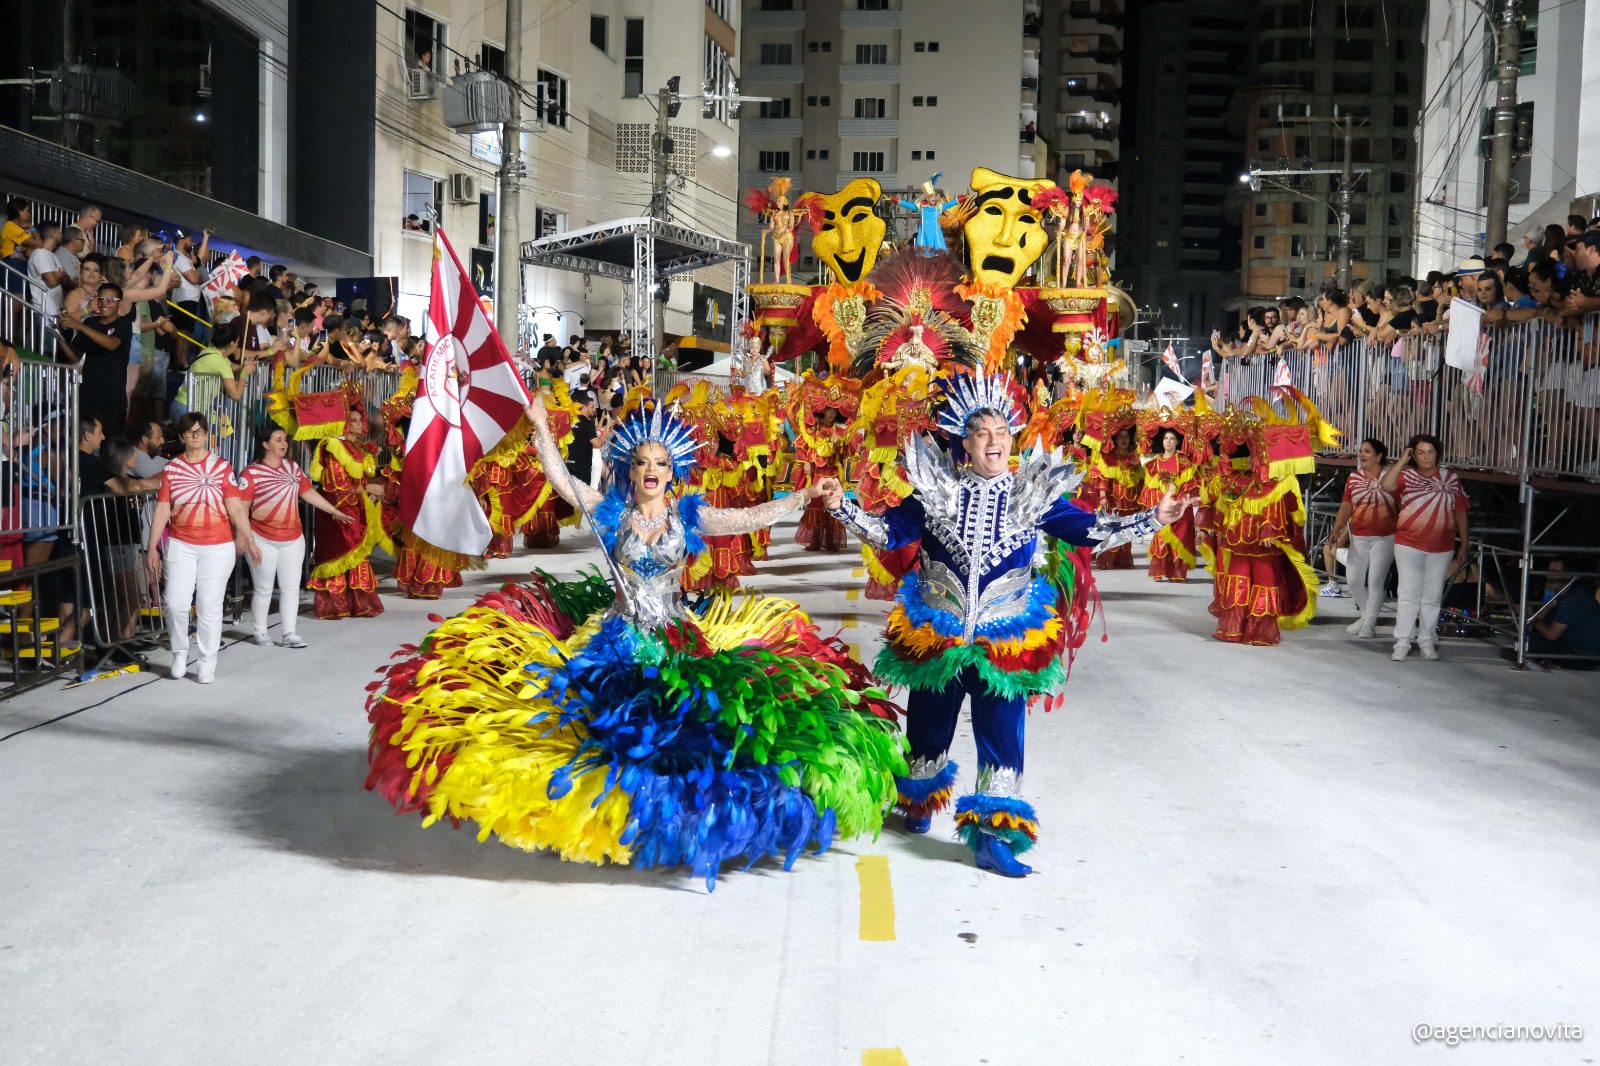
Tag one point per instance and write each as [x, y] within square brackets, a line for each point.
[1290, 855]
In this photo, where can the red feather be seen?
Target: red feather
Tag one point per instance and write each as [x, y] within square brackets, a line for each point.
[758, 201]
[1050, 194]
[1102, 195]
[816, 213]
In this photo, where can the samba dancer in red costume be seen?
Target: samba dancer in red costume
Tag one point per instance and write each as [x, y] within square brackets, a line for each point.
[1168, 468]
[344, 470]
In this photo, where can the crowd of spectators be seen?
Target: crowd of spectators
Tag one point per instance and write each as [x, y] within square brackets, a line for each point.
[1556, 279]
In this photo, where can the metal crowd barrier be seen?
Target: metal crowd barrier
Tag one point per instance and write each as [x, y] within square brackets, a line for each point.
[22, 322]
[38, 514]
[1530, 407]
[123, 604]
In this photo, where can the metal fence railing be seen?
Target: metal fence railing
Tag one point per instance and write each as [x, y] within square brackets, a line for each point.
[1531, 406]
[123, 604]
[23, 322]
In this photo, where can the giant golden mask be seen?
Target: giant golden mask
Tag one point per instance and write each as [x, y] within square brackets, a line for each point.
[851, 232]
[1005, 235]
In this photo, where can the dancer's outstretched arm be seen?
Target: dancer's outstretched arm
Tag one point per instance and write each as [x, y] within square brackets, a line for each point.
[727, 521]
[554, 466]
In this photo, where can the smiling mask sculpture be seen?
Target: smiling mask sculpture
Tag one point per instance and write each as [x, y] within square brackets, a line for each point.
[852, 233]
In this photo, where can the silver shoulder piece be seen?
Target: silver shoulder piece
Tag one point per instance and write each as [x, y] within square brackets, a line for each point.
[931, 474]
[1040, 482]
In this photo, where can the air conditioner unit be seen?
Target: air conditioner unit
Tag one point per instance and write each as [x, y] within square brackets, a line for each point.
[421, 84]
[463, 188]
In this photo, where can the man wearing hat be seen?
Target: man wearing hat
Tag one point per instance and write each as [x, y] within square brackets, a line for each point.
[1584, 279]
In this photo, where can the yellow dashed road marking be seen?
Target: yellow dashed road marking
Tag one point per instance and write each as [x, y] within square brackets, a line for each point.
[877, 897]
[884, 1056]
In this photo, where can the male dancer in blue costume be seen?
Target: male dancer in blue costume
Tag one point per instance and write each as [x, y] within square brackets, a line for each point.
[978, 619]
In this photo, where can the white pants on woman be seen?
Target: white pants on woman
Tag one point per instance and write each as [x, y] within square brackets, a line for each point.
[1422, 577]
[197, 576]
[280, 564]
[1367, 569]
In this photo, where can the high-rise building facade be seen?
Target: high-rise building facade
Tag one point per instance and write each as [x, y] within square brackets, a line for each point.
[1178, 233]
[874, 88]
[1557, 167]
[1310, 67]
[1080, 92]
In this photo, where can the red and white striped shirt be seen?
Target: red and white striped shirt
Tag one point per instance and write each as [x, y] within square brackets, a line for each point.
[1372, 510]
[198, 493]
[1428, 507]
[274, 494]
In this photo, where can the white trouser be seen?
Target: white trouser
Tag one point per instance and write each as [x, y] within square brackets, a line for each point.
[280, 563]
[1367, 569]
[1422, 577]
[197, 576]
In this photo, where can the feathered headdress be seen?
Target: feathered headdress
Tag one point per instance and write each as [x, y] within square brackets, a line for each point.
[654, 426]
[914, 289]
[966, 395]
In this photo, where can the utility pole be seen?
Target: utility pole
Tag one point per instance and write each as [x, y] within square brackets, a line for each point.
[507, 228]
[1508, 46]
[667, 104]
[1347, 183]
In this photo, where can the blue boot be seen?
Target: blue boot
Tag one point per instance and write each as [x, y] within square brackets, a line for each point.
[918, 823]
[993, 854]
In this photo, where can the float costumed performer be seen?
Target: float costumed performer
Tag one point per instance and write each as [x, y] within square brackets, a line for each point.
[638, 731]
[988, 614]
[345, 472]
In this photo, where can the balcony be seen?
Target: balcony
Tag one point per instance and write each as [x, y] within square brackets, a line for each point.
[879, 73]
[775, 73]
[774, 20]
[869, 127]
[1030, 62]
[869, 20]
[773, 127]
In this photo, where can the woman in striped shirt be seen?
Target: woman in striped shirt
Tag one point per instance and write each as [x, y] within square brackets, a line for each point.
[1430, 540]
[274, 484]
[1368, 511]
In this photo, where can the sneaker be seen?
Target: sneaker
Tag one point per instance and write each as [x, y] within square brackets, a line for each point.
[180, 665]
[208, 673]
[1367, 631]
[292, 640]
[261, 640]
[1429, 652]
[1354, 627]
[1402, 648]
[1331, 590]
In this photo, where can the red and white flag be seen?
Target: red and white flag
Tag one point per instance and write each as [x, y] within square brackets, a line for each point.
[1282, 380]
[1169, 359]
[226, 276]
[469, 396]
[1207, 374]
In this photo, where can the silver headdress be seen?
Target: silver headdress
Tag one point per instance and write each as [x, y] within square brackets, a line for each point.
[967, 394]
[656, 426]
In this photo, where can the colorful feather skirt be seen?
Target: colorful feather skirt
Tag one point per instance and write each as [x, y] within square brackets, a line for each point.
[737, 734]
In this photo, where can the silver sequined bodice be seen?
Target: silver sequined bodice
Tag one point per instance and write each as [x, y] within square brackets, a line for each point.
[652, 572]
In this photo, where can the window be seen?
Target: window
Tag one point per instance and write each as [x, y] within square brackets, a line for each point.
[633, 57]
[872, 53]
[867, 162]
[920, 46]
[1299, 213]
[1402, 115]
[486, 220]
[929, 154]
[933, 46]
[422, 195]
[1354, 49]
[916, 101]
[775, 108]
[933, 101]
[1399, 148]
[720, 8]
[1352, 84]
[717, 77]
[547, 221]
[1297, 246]
[425, 42]
[872, 5]
[777, 5]
[916, 153]
[772, 162]
[1396, 249]
[871, 107]
[1402, 83]
[599, 32]
[777, 54]
[1297, 279]
[822, 153]
[553, 98]
[811, 153]
[1398, 182]
[1259, 243]
[1261, 209]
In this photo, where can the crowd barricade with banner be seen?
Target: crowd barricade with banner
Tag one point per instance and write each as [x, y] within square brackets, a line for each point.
[39, 568]
[1530, 407]
[123, 603]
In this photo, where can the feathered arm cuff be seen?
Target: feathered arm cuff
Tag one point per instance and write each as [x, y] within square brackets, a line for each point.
[1113, 531]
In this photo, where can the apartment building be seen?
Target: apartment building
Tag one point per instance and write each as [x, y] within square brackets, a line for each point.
[592, 72]
[1557, 167]
[887, 90]
[1309, 66]
[1080, 92]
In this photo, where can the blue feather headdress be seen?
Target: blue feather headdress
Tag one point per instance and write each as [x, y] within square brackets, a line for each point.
[659, 427]
[966, 395]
